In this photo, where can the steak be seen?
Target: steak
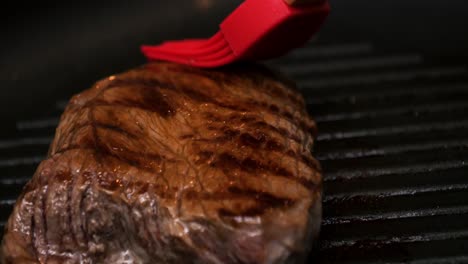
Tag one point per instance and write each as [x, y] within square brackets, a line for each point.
[167, 163]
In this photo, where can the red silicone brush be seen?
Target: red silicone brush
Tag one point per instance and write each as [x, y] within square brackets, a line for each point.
[256, 30]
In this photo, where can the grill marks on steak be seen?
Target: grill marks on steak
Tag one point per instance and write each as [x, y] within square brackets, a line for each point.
[130, 92]
[146, 162]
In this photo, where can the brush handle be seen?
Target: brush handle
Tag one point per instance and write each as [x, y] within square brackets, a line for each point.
[303, 2]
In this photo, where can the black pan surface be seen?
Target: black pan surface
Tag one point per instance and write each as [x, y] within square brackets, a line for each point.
[387, 82]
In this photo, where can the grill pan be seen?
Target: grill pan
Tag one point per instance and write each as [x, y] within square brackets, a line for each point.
[393, 132]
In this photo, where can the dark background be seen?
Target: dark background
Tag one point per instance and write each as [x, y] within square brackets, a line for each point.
[53, 49]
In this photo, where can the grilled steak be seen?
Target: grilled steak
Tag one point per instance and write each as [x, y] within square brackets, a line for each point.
[171, 164]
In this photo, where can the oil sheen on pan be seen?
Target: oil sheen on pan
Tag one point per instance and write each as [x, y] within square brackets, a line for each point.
[166, 163]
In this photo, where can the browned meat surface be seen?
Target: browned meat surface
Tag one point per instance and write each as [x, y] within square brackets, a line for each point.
[171, 164]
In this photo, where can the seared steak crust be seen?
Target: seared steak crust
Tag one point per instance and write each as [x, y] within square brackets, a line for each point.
[171, 164]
